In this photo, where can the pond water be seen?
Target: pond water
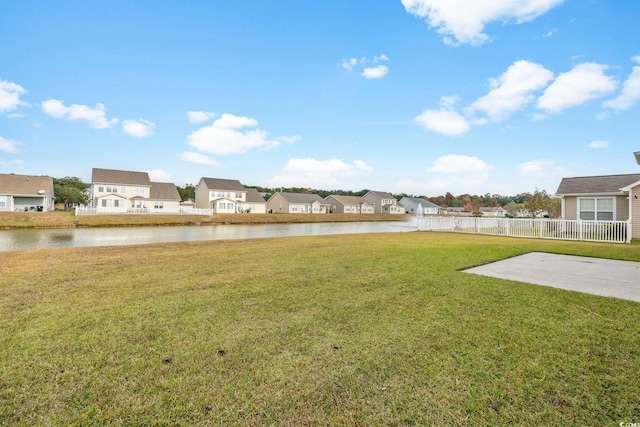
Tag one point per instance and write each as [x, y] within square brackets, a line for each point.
[21, 240]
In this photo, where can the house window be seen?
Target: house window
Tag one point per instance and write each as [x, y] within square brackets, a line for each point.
[106, 203]
[596, 208]
[238, 195]
[138, 190]
[100, 189]
[158, 205]
[116, 203]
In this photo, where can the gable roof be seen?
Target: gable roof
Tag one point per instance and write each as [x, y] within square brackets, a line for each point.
[253, 196]
[302, 198]
[223, 184]
[164, 191]
[606, 184]
[420, 201]
[381, 194]
[348, 200]
[26, 184]
[113, 176]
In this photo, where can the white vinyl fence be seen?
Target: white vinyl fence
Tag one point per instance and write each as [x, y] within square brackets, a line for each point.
[593, 231]
[82, 210]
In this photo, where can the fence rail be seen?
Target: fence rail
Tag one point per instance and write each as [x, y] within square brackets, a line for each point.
[593, 231]
[80, 210]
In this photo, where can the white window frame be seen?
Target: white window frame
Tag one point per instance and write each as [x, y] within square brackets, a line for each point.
[595, 210]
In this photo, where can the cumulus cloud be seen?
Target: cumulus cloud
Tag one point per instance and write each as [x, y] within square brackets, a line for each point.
[376, 72]
[458, 164]
[139, 128]
[584, 82]
[512, 90]
[197, 158]
[199, 116]
[10, 96]
[598, 144]
[158, 175]
[96, 117]
[463, 21]
[542, 170]
[9, 146]
[449, 173]
[445, 121]
[310, 172]
[630, 90]
[234, 135]
[371, 68]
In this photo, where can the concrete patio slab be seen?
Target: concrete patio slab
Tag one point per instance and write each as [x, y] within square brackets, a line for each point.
[597, 276]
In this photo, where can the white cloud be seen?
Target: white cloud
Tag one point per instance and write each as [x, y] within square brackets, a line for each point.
[512, 90]
[464, 20]
[96, 117]
[310, 172]
[370, 67]
[197, 158]
[349, 64]
[584, 82]
[139, 128]
[233, 135]
[543, 169]
[630, 90]
[16, 162]
[598, 144]
[458, 164]
[158, 175]
[550, 33]
[362, 166]
[10, 96]
[376, 72]
[445, 121]
[199, 116]
[9, 146]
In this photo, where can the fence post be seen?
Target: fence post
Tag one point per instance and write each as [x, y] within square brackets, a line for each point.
[629, 231]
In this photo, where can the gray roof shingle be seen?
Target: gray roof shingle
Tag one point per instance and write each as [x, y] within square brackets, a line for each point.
[164, 191]
[25, 185]
[223, 184]
[113, 176]
[302, 198]
[606, 184]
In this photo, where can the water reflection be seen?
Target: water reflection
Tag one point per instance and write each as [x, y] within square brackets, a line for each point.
[20, 240]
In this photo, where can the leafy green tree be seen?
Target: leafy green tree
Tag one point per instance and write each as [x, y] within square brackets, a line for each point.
[538, 203]
[187, 192]
[70, 191]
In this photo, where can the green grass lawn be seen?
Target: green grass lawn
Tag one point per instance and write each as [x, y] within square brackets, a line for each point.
[378, 329]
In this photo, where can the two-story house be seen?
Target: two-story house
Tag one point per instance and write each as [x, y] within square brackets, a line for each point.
[130, 191]
[227, 196]
[384, 202]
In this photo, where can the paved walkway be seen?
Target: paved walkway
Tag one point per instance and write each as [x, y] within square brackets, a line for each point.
[597, 276]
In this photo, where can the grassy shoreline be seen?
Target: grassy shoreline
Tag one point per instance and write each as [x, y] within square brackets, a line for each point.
[382, 329]
[20, 220]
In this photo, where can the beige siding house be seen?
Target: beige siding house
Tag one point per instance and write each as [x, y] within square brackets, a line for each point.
[348, 204]
[282, 202]
[605, 198]
[384, 202]
[225, 196]
[130, 191]
[26, 193]
[164, 197]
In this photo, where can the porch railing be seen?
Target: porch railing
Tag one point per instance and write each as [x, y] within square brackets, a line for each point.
[593, 231]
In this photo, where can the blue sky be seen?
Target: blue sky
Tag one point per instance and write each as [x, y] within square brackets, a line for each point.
[413, 96]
